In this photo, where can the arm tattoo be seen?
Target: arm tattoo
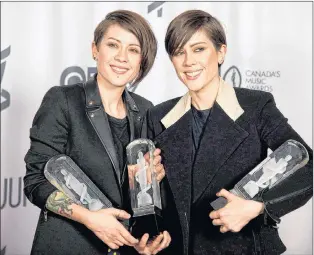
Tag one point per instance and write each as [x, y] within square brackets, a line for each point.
[59, 203]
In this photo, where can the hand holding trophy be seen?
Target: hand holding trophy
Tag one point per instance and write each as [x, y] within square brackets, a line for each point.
[280, 164]
[144, 189]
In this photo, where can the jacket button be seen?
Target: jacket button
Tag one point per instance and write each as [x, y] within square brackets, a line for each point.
[91, 102]
[92, 115]
[139, 118]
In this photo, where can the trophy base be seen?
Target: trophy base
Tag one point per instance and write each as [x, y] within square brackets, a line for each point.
[150, 223]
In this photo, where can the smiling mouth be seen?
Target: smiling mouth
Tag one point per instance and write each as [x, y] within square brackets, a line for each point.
[193, 75]
[119, 70]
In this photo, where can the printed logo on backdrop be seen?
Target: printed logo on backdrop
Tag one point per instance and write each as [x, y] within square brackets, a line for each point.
[76, 74]
[5, 95]
[233, 77]
[256, 79]
[12, 194]
[155, 5]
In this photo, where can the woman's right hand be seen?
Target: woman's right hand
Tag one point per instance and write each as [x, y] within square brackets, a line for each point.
[107, 228]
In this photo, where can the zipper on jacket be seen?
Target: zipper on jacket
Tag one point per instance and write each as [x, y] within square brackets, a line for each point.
[186, 220]
[45, 215]
[186, 247]
[256, 244]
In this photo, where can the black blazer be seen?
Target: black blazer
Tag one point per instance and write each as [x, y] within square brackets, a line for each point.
[243, 124]
[71, 120]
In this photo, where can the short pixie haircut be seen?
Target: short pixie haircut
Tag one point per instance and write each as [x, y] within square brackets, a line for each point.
[138, 26]
[182, 28]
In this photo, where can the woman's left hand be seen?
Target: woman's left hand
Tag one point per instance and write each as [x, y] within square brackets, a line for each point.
[159, 168]
[154, 246]
[236, 213]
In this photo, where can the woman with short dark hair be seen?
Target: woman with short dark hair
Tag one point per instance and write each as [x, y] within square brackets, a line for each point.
[212, 137]
[92, 123]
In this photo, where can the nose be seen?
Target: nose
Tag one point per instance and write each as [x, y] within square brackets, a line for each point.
[189, 59]
[122, 55]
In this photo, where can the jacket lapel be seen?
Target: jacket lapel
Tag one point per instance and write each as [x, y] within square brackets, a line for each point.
[133, 114]
[99, 121]
[221, 136]
[176, 146]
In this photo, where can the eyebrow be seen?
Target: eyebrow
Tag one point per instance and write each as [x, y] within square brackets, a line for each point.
[133, 44]
[196, 43]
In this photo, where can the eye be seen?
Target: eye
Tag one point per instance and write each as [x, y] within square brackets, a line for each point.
[178, 53]
[134, 50]
[112, 45]
[199, 49]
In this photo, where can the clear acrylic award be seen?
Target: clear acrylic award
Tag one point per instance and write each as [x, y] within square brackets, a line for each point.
[144, 189]
[280, 164]
[66, 176]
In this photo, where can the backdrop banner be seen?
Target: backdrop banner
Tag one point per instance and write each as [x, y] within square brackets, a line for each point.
[44, 44]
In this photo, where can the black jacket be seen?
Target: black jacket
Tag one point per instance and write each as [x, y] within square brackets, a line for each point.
[242, 126]
[71, 120]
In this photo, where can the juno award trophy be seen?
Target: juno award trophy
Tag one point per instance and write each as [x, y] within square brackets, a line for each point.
[281, 163]
[144, 189]
[62, 172]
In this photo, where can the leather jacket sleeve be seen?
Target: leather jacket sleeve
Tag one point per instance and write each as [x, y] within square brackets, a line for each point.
[48, 136]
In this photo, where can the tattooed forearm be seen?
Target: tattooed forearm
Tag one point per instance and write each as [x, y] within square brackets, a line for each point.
[59, 203]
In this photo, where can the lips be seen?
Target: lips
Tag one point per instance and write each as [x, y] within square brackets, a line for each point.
[119, 69]
[193, 75]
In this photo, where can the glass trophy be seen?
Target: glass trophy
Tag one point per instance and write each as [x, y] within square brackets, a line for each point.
[280, 164]
[144, 189]
[66, 176]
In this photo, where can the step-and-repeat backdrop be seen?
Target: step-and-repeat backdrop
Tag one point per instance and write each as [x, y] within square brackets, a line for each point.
[47, 44]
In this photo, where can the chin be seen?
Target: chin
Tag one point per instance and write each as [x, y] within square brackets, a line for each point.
[119, 82]
[193, 87]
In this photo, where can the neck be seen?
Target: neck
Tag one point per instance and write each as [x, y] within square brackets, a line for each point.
[205, 98]
[111, 97]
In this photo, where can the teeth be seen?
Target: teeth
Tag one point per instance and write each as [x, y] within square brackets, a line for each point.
[192, 74]
[119, 69]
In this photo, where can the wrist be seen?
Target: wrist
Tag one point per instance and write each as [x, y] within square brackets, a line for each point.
[262, 208]
[259, 208]
[84, 215]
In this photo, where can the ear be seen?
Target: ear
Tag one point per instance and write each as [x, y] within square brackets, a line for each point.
[94, 51]
[222, 53]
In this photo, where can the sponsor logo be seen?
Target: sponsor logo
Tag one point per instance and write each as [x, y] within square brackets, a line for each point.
[251, 79]
[5, 95]
[260, 79]
[233, 76]
[76, 74]
[155, 5]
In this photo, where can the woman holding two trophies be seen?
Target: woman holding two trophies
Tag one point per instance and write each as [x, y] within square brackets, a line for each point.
[92, 123]
[210, 139]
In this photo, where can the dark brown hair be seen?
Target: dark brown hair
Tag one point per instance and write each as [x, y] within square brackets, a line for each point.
[138, 26]
[182, 28]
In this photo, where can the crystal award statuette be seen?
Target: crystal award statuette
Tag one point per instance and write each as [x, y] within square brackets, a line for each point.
[281, 163]
[66, 176]
[144, 189]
